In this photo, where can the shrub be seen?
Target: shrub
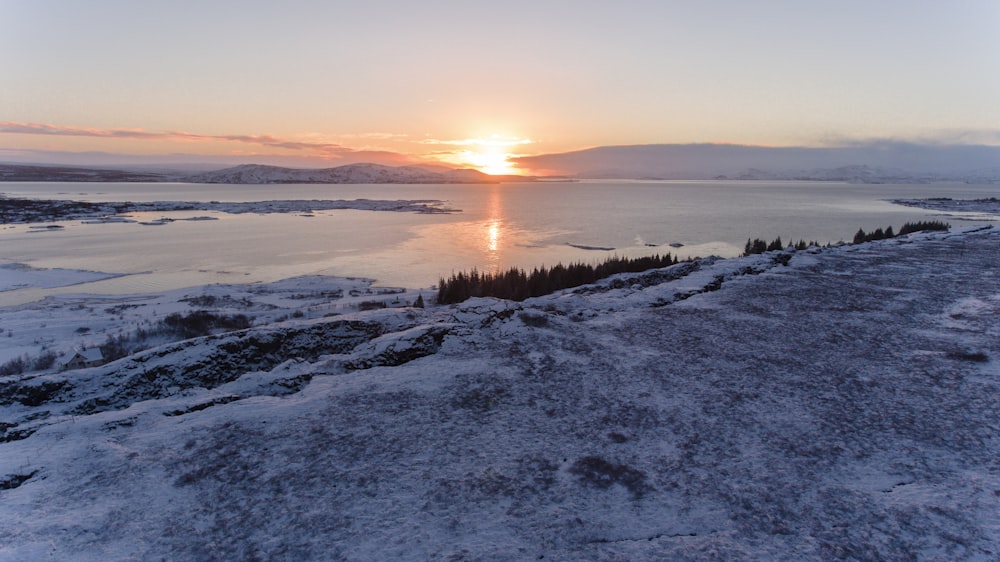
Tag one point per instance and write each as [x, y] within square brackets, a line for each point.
[600, 473]
[202, 300]
[371, 305]
[966, 355]
[15, 366]
[45, 361]
[533, 318]
[23, 364]
[202, 323]
[173, 326]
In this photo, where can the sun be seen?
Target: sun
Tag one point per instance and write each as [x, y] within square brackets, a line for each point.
[490, 155]
[491, 161]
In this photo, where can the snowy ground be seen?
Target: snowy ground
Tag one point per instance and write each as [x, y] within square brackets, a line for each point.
[836, 404]
[65, 323]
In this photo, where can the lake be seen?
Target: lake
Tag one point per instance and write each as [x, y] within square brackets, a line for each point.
[499, 226]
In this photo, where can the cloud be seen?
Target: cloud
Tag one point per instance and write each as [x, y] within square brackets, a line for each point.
[323, 149]
[11, 127]
[375, 136]
[310, 153]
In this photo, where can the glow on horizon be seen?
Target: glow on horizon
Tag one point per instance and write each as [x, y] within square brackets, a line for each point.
[490, 155]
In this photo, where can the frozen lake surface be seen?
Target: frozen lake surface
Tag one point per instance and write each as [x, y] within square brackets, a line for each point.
[499, 226]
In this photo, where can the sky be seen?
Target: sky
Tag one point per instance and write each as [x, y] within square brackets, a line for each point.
[321, 83]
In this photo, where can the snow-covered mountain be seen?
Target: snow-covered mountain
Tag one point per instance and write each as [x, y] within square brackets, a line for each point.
[256, 174]
[835, 404]
[877, 162]
[351, 173]
[869, 174]
[882, 162]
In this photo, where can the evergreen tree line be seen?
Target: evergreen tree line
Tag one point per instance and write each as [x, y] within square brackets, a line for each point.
[516, 284]
[879, 234]
[758, 246]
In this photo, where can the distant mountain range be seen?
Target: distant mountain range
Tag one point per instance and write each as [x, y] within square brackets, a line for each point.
[351, 173]
[875, 162]
[252, 174]
[27, 172]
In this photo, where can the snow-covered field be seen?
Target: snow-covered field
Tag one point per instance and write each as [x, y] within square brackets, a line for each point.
[817, 405]
[63, 324]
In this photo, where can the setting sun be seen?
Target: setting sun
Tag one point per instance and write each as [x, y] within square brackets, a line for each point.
[489, 155]
[493, 162]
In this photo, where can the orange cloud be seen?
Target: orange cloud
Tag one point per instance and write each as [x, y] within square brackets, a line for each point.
[321, 149]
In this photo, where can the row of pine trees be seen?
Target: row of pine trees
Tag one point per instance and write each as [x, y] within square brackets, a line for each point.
[516, 284]
[879, 234]
[758, 246]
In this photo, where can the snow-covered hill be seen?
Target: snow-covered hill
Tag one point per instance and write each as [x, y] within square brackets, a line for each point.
[351, 173]
[834, 404]
[874, 162]
[869, 174]
[257, 174]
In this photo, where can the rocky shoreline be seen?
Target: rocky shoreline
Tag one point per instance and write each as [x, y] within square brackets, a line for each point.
[25, 211]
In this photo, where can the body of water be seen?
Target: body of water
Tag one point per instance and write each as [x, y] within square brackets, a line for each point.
[499, 226]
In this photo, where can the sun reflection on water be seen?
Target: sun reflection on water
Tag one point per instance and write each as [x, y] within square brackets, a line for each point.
[494, 236]
[494, 227]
